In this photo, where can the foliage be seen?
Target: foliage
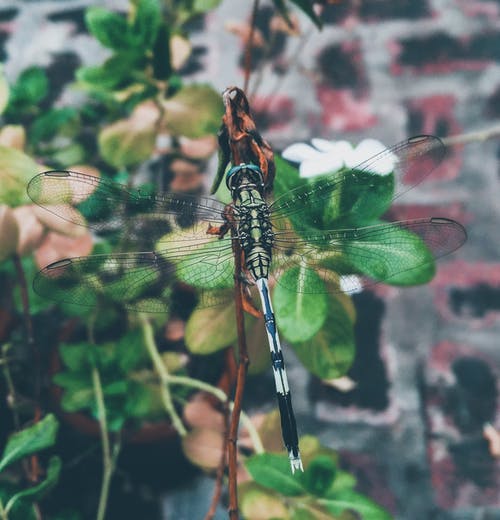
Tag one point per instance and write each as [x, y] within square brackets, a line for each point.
[16, 501]
[131, 390]
[322, 491]
[134, 101]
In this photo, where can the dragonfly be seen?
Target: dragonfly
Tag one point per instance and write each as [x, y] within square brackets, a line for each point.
[177, 243]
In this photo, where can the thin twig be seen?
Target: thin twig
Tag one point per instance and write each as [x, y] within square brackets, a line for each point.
[472, 137]
[163, 375]
[249, 46]
[220, 469]
[240, 381]
[107, 461]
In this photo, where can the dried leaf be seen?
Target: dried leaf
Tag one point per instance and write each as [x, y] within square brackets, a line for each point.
[130, 141]
[56, 247]
[31, 230]
[203, 447]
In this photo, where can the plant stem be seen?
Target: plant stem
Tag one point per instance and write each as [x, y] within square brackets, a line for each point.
[220, 468]
[472, 137]
[163, 374]
[240, 381]
[107, 459]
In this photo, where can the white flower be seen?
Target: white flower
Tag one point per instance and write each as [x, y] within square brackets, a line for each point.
[350, 284]
[329, 156]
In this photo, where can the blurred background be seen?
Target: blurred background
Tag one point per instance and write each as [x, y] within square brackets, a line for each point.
[416, 420]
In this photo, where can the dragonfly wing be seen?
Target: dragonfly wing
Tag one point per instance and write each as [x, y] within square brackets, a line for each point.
[400, 253]
[140, 281]
[366, 190]
[71, 195]
[122, 277]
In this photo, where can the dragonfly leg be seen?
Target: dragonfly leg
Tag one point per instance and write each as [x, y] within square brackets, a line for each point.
[249, 306]
[288, 424]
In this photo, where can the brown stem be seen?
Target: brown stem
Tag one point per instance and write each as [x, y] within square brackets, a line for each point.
[240, 382]
[28, 328]
[222, 466]
[249, 46]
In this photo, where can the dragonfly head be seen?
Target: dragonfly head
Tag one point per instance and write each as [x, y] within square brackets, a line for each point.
[249, 172]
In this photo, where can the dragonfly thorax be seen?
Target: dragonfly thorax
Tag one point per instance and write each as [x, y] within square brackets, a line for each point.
[254, 225]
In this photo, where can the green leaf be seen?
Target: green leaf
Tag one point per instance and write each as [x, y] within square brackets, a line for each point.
[40, 490]
[52, 122]
[127, 142]
[194, 111]
[72, 154]
[390, 254]
[368, 509]
[38, 437]
[143, 401]
[16, 170]
[73, 381]
[147, 22]
[273, 471]
[329, 353]
[111, 29]
[300, 314]
[76, 356]
[320, 474]
[353, 206]
[307, 7]
[131, 351]
[115, 72]
[31, 87]
[210, 329]
[115, 388]
[76, 400]
[287, 177]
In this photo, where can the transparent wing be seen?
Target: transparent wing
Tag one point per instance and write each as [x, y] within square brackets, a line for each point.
[142, 281]
[401, 253]
[101, 204]
[366, 191]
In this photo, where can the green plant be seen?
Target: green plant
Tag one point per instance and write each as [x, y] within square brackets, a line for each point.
[136, 101]
[18, 501]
